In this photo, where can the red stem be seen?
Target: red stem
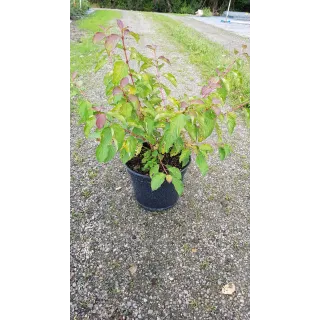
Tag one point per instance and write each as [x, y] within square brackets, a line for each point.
[130, 74]
[158, 77]
[163, 167]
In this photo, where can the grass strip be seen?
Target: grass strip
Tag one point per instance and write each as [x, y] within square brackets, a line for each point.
[203, 53]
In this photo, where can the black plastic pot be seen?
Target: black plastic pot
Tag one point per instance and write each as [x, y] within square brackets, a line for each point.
[161, 199]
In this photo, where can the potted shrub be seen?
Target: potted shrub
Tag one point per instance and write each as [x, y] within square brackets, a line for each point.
[153, 132]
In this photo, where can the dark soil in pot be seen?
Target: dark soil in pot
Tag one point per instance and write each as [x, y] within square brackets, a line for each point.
[136, 164]
[161, 199]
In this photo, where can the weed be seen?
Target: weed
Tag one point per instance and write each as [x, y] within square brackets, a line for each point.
[79, 143]
[86, 193]
[204, 264]
[92, 173]
[77, 158]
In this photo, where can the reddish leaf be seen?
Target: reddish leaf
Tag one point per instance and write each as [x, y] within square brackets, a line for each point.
[216, 101]
[98, 37]
[74, 75]
[120, 24]
[132, 98]
[196, 101]
[206, 90]
[101, 120]
[213, 80]
[165, 59]
[116, 90]
[100, 109]
[183, 104]
[124, 82]
[126, 31]
[111, 41]
[216, 110]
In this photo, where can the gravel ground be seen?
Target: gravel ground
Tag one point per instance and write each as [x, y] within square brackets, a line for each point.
[127, 263]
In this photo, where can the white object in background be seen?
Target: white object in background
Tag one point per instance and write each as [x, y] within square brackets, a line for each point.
[199, 13]
[80, 4]
[227, 10]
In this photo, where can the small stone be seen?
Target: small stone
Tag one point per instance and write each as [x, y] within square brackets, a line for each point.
[150, 311]
[90, 305]
[171, 278]
[74, 284]
[139, 316]
[145, 300]
[129, 304]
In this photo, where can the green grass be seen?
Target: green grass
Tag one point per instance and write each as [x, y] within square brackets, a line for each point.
[83, 55]
[203, 53]
[101, 17]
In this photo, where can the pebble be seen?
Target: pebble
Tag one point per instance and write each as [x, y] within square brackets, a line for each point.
[150, 311]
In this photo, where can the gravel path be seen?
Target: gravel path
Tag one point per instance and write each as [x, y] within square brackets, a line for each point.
[127, 263]
[229, 40]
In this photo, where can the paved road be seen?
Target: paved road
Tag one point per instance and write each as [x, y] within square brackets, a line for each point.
[217, 31]
[241, 28]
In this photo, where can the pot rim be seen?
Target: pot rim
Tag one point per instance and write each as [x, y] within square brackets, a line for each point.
[147, 176]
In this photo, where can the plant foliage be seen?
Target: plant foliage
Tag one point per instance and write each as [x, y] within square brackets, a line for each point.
[142, 112]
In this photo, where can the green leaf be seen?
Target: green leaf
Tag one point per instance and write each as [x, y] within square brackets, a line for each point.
[116, 115]
[184, 157]
[175, 172]
[222, 153]
[206, 124]
[157, 180]
[118, 134]
[154, 170]
[130, 146]
[178, 185]
[222, 93]
[120, 70]
[146, 65]
[124, 156]
[105, 153]
[162, 115]
[135, 36]
[166, 89]
[149, 125]
[95, 135]
[177, 123]
[89, 125]
[126, 109]
[166, 142]
[227, 149]
[207, 148]
[171, 78]
[106, 136]
[246, 112]
[192, 130]
[85, 110]
[177, 147]
[231, 121]
[202, 163]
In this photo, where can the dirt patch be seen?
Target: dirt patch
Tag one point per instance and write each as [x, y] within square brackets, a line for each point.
[75, 33]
